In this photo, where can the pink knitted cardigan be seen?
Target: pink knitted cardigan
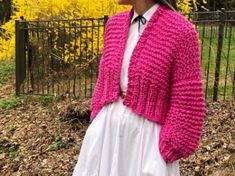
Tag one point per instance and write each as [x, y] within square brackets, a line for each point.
[164, 78]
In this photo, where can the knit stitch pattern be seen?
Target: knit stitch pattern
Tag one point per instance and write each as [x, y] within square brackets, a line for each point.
[164, 78]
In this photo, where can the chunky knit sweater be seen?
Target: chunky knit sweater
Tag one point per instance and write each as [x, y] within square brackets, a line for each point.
[164, 78]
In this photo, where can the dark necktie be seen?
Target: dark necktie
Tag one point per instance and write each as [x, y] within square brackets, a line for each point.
[140, 18]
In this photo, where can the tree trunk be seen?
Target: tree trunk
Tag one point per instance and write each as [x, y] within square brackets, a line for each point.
[5, 10]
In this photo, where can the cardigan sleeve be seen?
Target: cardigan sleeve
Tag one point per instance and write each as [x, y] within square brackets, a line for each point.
[181, 131]
[96, 105]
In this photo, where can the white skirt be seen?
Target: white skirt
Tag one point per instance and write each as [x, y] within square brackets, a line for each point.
[119, 142]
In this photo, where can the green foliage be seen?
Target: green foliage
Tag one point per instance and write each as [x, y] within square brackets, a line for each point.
[11, 102]
[67, 9]
[58, 98]
[56, 144]
[5, 71]
[13, 150]
[45, 100]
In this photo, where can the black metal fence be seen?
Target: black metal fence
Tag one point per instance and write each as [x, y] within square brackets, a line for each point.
[58, 56]
[217, 39]
[61, 56]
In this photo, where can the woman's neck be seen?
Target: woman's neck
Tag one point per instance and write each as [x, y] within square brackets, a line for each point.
[141, 6]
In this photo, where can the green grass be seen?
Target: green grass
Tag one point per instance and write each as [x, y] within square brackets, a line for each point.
[56, 143]
[7, 68]
[10, 102]
[45, 100]
[13, 101]
[222, 92]
[13, 150]
[209, 55]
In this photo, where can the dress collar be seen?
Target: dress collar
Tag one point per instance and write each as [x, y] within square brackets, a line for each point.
[147, 15]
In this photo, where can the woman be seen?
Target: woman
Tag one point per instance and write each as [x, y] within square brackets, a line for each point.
[148, 104]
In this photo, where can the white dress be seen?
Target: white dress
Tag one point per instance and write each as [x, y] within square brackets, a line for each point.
[119, 142]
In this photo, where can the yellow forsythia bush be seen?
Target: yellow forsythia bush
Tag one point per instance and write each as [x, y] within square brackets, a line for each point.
[66, 9]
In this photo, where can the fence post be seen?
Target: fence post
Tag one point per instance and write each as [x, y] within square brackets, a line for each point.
[219, 51]
[106, 17]
[20, 54]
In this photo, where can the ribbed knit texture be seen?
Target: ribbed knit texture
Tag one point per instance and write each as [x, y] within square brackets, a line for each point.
[164, 78]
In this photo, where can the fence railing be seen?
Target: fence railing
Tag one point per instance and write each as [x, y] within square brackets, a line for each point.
[58, 57]
[217, 39]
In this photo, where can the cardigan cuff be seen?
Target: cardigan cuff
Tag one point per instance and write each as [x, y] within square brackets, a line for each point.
[168, 152]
